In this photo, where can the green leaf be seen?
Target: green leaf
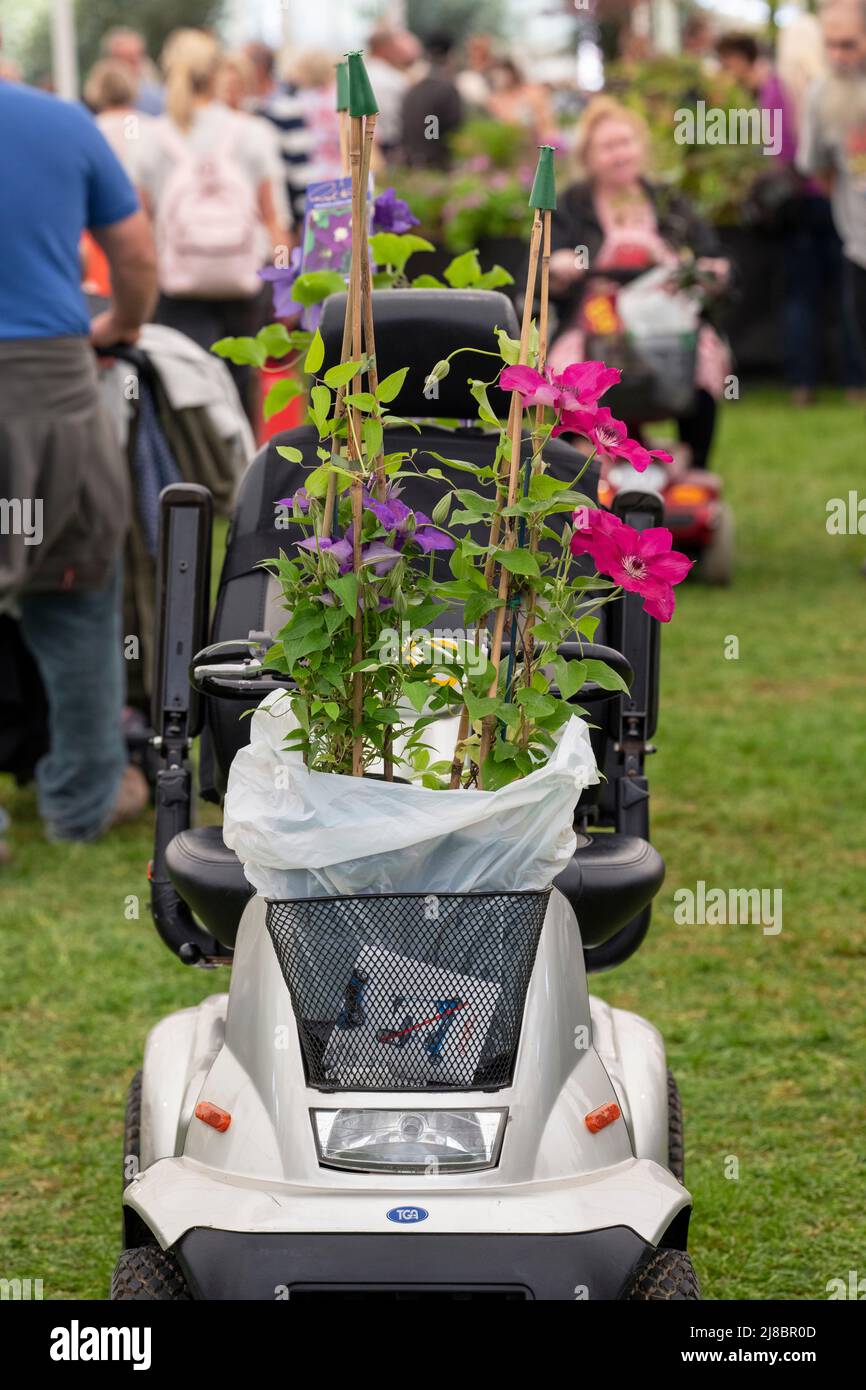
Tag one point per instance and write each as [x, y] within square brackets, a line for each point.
[346, 590]
[570, 676]
[418, 692]
[605, 676]
[244, 352]
[342, 373]
[317, 482]
[481, 707]
[362, 400]
[427, 282]
[536, 706]
[518, 561]
[279, 396]
[275, 339]
[389, 248]
[509, 348]
[320, 398]
[544, 486]
[372, 434]
[492, 279]
[477, 507]
[547, 632]
[498, 774]
[315, 355]
[287, 452]
[391, 387]
[463, 271]
[485, 409]
[315, 286]
[332, 710]
[296, 648]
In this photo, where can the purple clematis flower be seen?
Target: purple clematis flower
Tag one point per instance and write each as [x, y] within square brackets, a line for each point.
[428, 536]
[341, 550]
[392, 214]
[282, 278]
[300, 499]
[392, 513]
[381, 556]
[407, 525]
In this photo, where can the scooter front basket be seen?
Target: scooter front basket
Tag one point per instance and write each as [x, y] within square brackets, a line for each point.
[410, 991]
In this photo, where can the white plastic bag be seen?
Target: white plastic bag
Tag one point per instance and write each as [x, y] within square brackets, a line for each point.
[312, 834]
[650, 309]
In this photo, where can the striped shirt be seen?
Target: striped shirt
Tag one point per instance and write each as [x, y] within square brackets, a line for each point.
[285, 110]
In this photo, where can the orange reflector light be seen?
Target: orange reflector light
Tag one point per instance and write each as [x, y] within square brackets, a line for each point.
[687, 494]
[603, 1116]
[212, 1115]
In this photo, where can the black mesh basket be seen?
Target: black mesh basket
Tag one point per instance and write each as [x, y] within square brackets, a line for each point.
[408, 992]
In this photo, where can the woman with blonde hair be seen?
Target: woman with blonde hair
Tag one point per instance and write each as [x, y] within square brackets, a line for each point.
[615, 218]
[207, 177]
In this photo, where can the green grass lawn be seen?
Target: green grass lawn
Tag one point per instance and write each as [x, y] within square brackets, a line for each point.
[759, 783]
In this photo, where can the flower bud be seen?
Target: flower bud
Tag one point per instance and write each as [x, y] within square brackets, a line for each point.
[439, 373]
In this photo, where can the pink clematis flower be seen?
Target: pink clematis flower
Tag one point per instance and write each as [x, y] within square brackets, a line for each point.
[609, 437]
[584, 383]
[536, 388]
[579, 387]
[640, 561]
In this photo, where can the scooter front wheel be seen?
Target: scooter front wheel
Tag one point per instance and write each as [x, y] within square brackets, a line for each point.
[147, 1273]
[666, 1275]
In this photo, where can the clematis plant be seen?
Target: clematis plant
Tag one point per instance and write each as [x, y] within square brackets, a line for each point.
[544, 597]
[327, 588]
[369, 670]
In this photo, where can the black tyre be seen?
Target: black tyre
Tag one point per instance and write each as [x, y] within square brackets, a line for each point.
[664, 1276]
[676, 1150]
[147, 1274]
[135, 1232]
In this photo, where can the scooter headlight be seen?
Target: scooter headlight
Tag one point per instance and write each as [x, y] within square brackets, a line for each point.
[409, 1141]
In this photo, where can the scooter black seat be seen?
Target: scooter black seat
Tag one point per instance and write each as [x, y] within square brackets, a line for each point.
[210, 879]
[610, 879]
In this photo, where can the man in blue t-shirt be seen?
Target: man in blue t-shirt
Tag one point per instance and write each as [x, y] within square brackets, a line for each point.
[63, 481]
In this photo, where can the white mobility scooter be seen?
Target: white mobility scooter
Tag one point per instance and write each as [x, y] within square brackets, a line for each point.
[300, 1137]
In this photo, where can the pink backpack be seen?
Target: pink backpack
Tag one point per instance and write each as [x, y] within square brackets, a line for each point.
[207, 222]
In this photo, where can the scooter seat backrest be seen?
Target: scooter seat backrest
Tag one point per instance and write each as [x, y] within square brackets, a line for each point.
[417, 329]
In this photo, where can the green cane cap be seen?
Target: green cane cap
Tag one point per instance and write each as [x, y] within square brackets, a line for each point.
[543, 195]
[342, 86]
[362, 99]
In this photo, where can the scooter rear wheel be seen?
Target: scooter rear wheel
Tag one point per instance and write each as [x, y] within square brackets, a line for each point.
[665, 1276]
[147, 1274]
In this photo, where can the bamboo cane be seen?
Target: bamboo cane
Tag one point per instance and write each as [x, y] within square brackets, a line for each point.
[516, 438]
[543, 334]
[355, 287]
[367, 297]
[370, 350]
[344, 140]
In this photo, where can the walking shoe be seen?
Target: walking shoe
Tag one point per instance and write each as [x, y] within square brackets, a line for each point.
[132, 798]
